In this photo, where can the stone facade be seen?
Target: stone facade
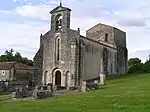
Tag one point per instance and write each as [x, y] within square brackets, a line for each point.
[10, 71]
[5, 75]
[66, 58]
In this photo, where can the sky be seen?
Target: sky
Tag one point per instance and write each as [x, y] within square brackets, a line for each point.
[22, 22]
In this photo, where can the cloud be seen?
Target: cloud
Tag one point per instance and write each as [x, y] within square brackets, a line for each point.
[127, 22]
[143, 55]
[23, 38]
[26, 1]
[38, 11]
[130, 16]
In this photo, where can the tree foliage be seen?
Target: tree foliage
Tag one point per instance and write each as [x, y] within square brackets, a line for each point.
[135, 65]
[147, 66]
[10, 55]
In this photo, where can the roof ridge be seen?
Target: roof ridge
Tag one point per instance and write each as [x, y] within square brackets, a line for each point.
[60, 6]
[8, 62]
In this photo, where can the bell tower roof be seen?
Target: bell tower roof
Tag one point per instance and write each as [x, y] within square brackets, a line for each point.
[59, 8]
[60, 18]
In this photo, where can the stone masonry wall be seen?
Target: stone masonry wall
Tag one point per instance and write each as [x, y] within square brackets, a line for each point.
[93, 59]
[37, 66]
[98, 32]
[120, 40]
[68, 61]
[5, 75]
[115, 37]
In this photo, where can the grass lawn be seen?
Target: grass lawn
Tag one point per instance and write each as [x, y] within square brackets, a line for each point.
[125, 94]
[4, 97]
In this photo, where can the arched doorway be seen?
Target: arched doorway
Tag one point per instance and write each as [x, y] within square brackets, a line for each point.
[58, 78]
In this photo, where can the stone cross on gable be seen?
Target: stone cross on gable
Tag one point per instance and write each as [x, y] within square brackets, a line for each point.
[60, 2]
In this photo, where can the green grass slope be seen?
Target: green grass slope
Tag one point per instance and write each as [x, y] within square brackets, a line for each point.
[125, 94]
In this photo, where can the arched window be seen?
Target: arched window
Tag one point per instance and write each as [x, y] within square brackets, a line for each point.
[58, 43]
[57, 49]
[106, 37]
[58, 22]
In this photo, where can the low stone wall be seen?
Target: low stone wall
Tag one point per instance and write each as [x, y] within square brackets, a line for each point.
[41, 92]
[89, 85]
[93, 84]
[12, 85]
[2, 86]
[22, 94]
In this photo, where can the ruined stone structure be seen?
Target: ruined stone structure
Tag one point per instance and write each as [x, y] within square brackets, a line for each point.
[66, 58]
[14, 71]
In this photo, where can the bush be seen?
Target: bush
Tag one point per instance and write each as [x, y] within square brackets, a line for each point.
[136, 66]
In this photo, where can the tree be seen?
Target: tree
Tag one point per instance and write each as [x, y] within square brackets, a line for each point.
[18, 57]
[10, 52]
[147, 66]
[134, 61]
[135, 66]
[9, 56]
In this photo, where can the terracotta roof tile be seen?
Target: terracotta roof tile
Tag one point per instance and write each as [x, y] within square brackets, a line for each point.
[6, 65]
[9, 65]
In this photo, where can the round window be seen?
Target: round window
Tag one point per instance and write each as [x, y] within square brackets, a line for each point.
[3, 72]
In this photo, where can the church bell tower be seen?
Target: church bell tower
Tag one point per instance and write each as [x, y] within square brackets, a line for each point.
[60, 18]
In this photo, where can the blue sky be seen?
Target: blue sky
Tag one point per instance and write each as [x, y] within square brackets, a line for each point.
[22, 22]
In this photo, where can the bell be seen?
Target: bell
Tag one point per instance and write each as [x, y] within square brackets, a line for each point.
[59, 22]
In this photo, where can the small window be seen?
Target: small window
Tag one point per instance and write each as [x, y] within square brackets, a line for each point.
[3, 72]
[106, 37]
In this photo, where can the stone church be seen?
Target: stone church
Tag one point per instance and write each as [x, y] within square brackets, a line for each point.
[66, 58]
